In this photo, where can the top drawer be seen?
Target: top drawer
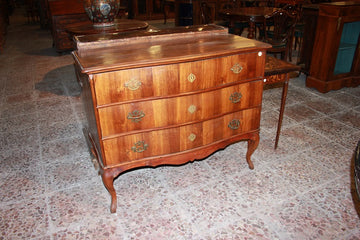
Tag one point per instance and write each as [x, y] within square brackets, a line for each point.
[173, 79]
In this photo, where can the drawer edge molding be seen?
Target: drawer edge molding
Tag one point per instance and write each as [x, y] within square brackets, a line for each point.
[191, 155]
[173, 126]
[181, 94]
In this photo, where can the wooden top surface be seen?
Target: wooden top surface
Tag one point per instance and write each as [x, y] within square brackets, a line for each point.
[275, 66]
[144, 48]
[120, 25]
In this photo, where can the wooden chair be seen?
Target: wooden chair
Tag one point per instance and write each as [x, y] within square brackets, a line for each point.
[238, 27]
[281, 32]
[277, 71]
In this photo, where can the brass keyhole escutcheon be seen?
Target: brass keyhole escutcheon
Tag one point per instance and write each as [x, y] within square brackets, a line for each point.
[235, 97]
[133, 84]
[234, 124]
[192, 109]
[236, 68]
[191, 78]
[192, 137]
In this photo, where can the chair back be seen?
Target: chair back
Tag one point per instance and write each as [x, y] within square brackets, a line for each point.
[282, 24]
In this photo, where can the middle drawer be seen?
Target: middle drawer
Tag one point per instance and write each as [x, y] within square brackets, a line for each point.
[122, 118]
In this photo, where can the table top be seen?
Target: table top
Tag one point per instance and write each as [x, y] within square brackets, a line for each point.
[121, 25]
[147, 49]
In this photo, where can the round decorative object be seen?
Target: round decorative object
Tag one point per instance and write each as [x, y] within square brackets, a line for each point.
[102, 12]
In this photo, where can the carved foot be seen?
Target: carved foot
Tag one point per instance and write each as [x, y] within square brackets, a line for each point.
[253, 143]
[108, 176]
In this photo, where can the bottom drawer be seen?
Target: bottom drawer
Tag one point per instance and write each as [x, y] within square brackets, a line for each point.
[172, 140]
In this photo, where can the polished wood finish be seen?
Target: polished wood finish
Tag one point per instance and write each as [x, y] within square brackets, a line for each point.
[251, 14]
[62, 13]
[120, 25]
[277, 71]
[169, 97]
[330, 25]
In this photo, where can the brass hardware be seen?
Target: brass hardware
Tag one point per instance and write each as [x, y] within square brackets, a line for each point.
[192, 137]
[191, 78]
[234, 124]
[338, 23]
[139, 147]
[236, 68]
[133, 84]
[136, 116]
[235, 97]
[192, 109]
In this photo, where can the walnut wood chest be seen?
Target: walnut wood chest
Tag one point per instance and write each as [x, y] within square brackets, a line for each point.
[168, 97]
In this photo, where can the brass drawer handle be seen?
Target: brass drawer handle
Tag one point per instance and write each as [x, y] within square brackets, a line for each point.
[234, 124]
[236, 68]
[133, 84]
[192, 137]
[192, 109]
[139, 147]
[235, 97]
[136, 116]
[191, 78]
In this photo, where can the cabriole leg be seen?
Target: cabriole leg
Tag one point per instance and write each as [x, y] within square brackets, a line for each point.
[253, 143]
[108, 176]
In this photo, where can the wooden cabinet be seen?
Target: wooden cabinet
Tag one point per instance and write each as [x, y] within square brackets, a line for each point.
[335, 61]
[169, 97]
[310, 14]
[63, 12]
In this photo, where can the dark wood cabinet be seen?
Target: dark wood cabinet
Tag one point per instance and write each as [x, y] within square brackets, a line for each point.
[310, 15]
[62, 13]
[335, 61]
[169, 97]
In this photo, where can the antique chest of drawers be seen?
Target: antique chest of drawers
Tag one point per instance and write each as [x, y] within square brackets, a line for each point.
[170, 97]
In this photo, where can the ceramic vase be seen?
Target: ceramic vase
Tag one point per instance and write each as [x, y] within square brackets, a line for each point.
[102, 12]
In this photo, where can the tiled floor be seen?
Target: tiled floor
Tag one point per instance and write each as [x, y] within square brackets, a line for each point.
[50, 190]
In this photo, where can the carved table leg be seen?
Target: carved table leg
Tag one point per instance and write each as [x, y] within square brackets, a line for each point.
[253, 143]
[108, 176]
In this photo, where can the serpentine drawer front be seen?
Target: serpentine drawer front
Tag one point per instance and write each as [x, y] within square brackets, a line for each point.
[155, 113]
[172, 140]
[173, 79]
[168, 98]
